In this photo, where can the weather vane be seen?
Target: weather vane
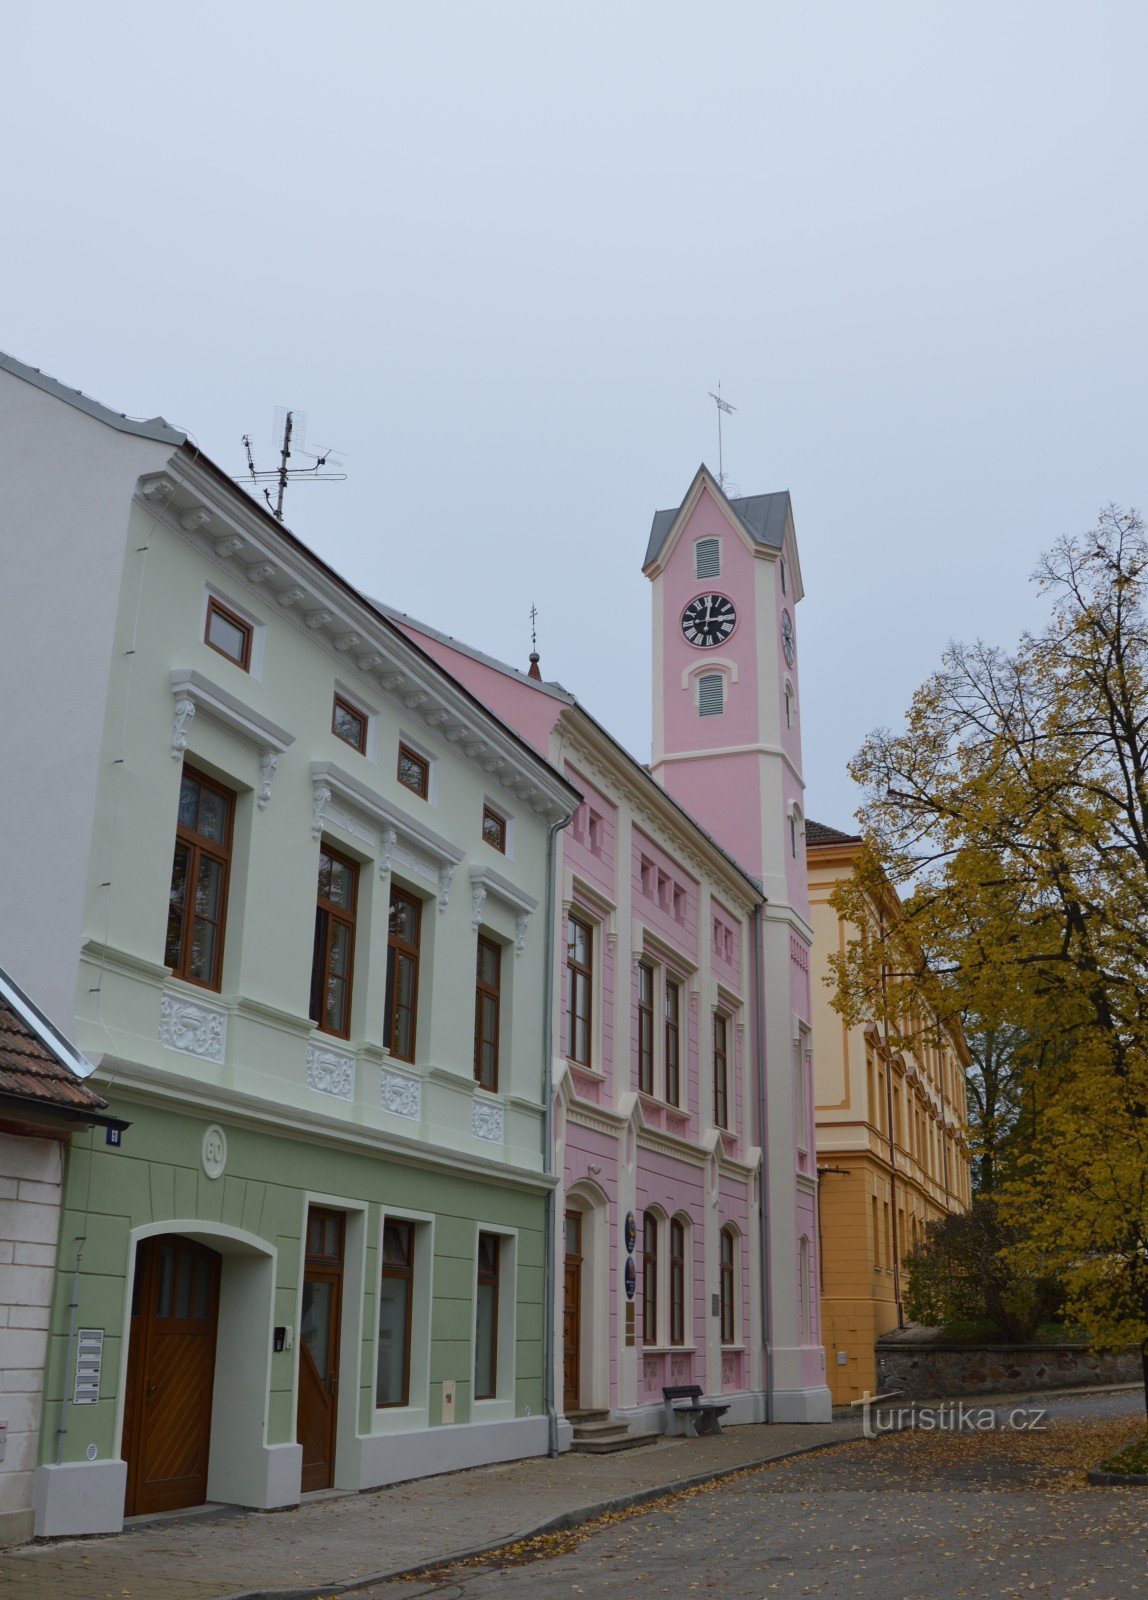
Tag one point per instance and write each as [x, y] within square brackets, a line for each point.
[722, 406]
[533, 628]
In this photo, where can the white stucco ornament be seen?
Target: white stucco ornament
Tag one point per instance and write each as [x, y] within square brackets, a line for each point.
[213, 1153]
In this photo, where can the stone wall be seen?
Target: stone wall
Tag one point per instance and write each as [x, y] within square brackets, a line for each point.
[31, 1171]
[921, 1367]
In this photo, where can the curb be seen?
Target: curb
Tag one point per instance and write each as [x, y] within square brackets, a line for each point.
[562, 1523]
[1119, 1480]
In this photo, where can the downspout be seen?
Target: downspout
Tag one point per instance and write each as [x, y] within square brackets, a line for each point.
[763, 1134]
[548, 1253]
[69, 1358]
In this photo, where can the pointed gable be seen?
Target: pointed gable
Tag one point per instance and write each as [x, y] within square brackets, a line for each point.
[764, 519]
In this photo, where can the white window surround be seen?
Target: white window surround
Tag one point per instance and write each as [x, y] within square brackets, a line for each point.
[583, 901]
[484, 885]
[800, 1090]
[708, 664]
[501, 1407]
[193, 693]
[397, 839]
[254, 668]
[499, 809]
[368, 712]
[711, 571]
[735, 1234]
[668, 964]
[415, 744]
[416, 1414]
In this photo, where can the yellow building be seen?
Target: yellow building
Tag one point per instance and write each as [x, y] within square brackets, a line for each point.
[892, 1150]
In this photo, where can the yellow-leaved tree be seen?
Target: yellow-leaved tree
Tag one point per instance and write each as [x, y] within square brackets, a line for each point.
[1011, 812]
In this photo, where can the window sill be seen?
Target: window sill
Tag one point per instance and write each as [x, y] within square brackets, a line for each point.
[494, 1410]
[401, 1419]
[669, 1349]
[733, 1349]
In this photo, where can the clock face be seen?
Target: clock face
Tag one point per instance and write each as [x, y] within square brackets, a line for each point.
[787, 636]
[708, 620]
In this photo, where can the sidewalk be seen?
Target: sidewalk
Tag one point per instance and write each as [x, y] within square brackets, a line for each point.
[333, 1543]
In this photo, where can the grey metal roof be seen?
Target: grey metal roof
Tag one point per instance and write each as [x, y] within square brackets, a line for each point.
[553, 689]
[763, 516]
[149, 428]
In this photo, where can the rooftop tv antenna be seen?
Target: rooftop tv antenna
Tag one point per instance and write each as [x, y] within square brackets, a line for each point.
[723, 407]
[291, 426]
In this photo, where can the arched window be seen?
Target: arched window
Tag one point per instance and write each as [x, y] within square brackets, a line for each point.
[677, 1281]
[649, 1278]
[727, 1282]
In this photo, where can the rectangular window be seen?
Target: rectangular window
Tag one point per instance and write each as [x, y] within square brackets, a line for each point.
[594, 834]
[197, 902]
[711, 694]
[645, 1028]
[228, 634]
[649, 1279]
[396, 1298]
[888, 1238]
[349, 725]
[494, 830]
[414, 771]
[800, 1102]
[673, 1042]
[486, 1318]
[677, 1283]
[707, 558]
[876, 1232]
[333, 961]
[579, 977]
[402, 992]
[721, 1070]
[488, 978]
[726, 1285]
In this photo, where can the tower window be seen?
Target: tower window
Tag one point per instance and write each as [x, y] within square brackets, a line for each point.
[781, 564]
[711, 694]
[707, 558]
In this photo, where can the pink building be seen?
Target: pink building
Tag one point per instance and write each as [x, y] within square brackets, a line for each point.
[681, 1055]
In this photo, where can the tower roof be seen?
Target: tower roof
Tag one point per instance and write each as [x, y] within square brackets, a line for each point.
[763, 516]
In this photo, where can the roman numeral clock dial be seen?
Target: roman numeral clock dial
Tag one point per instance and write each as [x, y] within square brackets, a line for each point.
[708, 620]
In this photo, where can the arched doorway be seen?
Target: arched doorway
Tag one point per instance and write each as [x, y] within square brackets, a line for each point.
[171, 1374]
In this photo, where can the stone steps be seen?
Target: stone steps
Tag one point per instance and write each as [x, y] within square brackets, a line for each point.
[596, 1434]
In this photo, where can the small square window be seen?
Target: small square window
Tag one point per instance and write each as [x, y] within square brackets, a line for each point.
[494, 829]
[349, 725]
[414, 772]
[228, 634]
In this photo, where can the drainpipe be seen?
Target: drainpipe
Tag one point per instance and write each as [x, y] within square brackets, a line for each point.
[69, 1358]
[548, 1261]
[763, 1131]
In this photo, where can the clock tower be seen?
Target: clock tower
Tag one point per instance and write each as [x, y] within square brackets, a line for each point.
[726, 582]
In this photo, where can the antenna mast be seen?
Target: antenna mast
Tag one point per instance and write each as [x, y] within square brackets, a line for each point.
[292, 423]
[723, 406]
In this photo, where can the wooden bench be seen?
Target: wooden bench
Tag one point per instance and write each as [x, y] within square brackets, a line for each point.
[688, 1414]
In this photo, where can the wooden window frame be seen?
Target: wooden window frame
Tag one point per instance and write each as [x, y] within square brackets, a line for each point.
[672, 1042]
[579, 976]
[340, 702]
[484, 990]
[402, 949]
[198, 846]
[489, 814]
[489, 1279]
[721, 1070]
[420, 761]
[727, 1251]
[677, 1281]
[393, 1270]
[336, 915]
[649, 1279]
[645, 1030]
[216, 608]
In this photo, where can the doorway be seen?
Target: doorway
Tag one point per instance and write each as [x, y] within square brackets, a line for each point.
[316, 1423]
[171, 1374]
[572, 1315]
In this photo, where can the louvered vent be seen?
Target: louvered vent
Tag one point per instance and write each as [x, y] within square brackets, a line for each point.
[707, 558]
[711, 694]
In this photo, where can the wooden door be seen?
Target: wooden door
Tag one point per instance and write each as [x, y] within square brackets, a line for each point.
[171, 1374]
[572, 1314]
[319, 1347]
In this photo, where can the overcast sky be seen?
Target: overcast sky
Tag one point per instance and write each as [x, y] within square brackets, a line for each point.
[499, 252]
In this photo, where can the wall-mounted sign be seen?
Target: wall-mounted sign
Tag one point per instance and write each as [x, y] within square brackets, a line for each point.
[631, 1278]
[631, 1232]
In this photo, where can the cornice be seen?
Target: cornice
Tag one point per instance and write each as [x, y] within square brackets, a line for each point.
[193, 1098]
[665, 1144]
[235, 536]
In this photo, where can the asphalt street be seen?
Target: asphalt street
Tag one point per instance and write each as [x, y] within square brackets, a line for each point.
[912, 1516]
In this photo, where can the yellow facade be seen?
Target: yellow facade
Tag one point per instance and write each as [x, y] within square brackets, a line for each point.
[892, 1149]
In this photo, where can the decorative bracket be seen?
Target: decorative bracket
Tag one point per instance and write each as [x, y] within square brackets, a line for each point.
[268, 767]
[445, 879]
[477, 901]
